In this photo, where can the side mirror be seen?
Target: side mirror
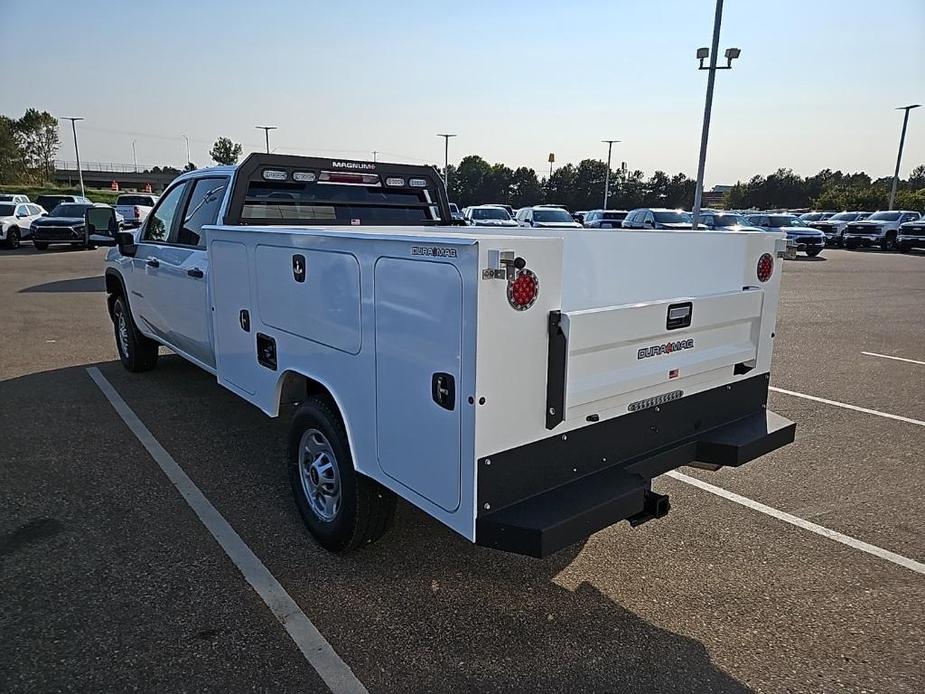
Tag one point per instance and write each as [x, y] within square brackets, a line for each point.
[125, 240]
[101, 225]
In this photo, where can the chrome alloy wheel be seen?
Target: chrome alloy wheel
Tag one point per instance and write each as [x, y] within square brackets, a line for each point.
[319, 475]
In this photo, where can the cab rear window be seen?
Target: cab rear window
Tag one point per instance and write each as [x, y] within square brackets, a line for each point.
[316, 202]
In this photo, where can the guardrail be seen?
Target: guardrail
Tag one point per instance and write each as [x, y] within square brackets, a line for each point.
[103, 167]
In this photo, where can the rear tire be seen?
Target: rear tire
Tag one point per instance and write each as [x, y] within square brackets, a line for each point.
[136, 352]
[889, 242]
[12, 237]
[40, 245]
[341, 508]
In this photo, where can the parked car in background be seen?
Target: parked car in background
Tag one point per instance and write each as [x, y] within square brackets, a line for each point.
[834, 226]
[65, 225]
[815, 216]
[546, 216]
[657, 218]
[725, 221]
[579, 216]
[880, 229]
[14, 197]
[510, 210]
[455, 213]
[604, 219]
[16, 221]
[488, 216]
[810, 241]
[50, 202]
[911, 235]
[134, 207]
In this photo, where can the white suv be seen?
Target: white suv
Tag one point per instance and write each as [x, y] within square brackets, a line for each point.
[16, 221]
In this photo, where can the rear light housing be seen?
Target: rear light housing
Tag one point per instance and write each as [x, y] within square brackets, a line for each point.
[765, 267]
[523, 290]
[359, 179]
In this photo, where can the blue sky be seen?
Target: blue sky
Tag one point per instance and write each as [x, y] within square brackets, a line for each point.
[815, 85]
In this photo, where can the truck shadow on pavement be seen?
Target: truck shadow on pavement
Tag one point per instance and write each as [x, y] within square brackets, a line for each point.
[420, 610]
[76, 285]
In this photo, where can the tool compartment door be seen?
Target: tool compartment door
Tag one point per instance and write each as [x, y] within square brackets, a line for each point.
[616, 351]
[418, 316]
[235, 345]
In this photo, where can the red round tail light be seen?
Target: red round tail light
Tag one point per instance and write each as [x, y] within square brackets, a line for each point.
[765, 267]
[523, 290]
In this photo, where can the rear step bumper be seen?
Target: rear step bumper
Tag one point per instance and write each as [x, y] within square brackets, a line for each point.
[562, 514]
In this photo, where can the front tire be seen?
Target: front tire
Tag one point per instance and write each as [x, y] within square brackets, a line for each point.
[813, 253]
[341, 508]
[136, 352]
[889, 242]
[40, 245]
[12, 237]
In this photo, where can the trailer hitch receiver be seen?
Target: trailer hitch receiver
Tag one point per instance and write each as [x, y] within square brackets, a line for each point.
[654, 506]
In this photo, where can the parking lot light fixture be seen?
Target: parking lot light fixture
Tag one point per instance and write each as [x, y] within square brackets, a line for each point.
[899, 156]
[702, 54]
[446, 159]
[607, 175]
[266, 132]
[80, 172]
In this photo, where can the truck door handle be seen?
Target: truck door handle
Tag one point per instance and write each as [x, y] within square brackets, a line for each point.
[153, 262]
[443, 390]
[195, 272]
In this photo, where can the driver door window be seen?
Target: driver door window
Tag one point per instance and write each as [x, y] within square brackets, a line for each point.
[159, 223]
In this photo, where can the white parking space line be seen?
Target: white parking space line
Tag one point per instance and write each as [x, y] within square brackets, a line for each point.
[835, 403]
[317, 651]
[890, 356]
[886, 554]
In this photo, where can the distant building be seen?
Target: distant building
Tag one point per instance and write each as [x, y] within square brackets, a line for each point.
[714, 198]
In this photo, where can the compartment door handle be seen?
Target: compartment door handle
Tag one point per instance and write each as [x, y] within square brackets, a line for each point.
[443, 390]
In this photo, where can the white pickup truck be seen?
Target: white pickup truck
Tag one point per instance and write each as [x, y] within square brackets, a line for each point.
[134, 207]
[522, 386]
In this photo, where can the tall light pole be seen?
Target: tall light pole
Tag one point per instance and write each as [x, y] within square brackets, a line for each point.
[902, 140]
[266, 132]
[607, 175]
[375, 152]
[189, 159]
[702, 53]
[80, 172]
[446, 158]
[134, 157]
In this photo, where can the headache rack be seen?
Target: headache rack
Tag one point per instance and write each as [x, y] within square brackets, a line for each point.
[278, 189]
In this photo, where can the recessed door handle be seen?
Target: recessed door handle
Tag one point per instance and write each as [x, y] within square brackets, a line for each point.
[195, 272]
[443, 390]
[153, 262]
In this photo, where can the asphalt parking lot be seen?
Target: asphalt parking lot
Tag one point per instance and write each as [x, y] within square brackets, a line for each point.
[109, 581]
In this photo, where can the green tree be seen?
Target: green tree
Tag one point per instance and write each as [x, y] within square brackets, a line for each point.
[10, 154]
[37, 137]
[525, 188]
[560, 186]
[911, 199]
[467, 180]
[917, 177]
[224, 151]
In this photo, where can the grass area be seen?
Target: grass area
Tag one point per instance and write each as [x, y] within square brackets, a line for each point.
[33, 191]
